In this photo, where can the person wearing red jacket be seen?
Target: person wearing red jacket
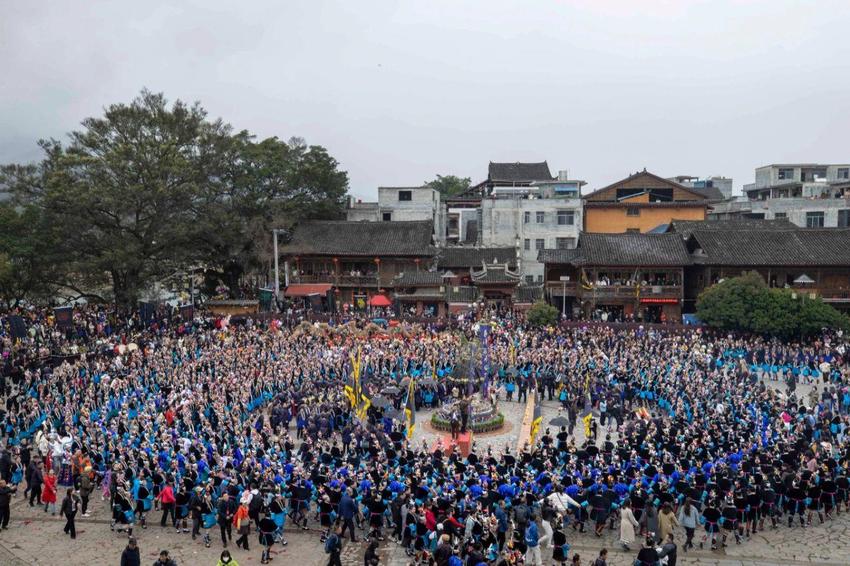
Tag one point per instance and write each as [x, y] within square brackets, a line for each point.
[430, 519]
[48, 492]
[167, 501]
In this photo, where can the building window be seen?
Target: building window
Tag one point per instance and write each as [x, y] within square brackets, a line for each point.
[527, 244]
[780, 216]
[539, 244]
[844, 218]
[405, 196]
[566, 218]
[529, 278]
[526, 217]
[387, 217]
[632, 211]
[540, 279]
[541, 217]
[814, 220]
[844, 173]
[565, 243]
[786, 174]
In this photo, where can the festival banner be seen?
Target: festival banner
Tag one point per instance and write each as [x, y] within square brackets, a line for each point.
[64, 317]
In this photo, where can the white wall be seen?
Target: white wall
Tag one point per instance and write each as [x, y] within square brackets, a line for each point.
[503, 225]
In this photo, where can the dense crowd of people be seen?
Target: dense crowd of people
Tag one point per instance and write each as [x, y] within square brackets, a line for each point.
[245, 430]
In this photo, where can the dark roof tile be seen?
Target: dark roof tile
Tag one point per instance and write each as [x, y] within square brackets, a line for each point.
[456, 257]
[519, 172]
[494, 274]
[461, 294]
[528, 293]
[637, 250]
[802, 247]
[372, 239]
[419, 279]
[687, 227]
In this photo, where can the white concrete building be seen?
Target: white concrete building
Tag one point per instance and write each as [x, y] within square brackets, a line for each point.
[543, 215]
[810, 195]
[397, 204]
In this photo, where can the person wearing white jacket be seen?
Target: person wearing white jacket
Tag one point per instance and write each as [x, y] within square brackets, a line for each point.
[627, 525]
[562, 502]
[546, 539]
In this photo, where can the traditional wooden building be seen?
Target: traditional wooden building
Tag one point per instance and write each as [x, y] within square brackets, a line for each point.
[815, 262]
[619, 276]
[458, 262]
[640, 203]
[348, 263]
[421, 293]
[497, 285]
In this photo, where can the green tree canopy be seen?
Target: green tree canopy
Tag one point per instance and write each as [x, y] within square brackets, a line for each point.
[449, 185]
[151, 188]
[28, 260]
[271, 184]
[542, 314]
[746, 304]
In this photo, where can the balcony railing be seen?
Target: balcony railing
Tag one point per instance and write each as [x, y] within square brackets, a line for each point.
[557, 289]
[827, 294]
[313, 278]
[358, 280]
[626, 291]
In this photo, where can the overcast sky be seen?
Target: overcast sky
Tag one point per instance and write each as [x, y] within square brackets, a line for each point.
[399, 91]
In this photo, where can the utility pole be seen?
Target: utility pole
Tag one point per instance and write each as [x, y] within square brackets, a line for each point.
[276, 271]
[564, 279]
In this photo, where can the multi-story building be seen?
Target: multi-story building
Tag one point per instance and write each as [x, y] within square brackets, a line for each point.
[341, 262]
[715, 188]
[653, 276]
[808, 194]
[511, 175]
[402, 204]
[641, 203]
[811, 262]
[540, 215]
[621, 277]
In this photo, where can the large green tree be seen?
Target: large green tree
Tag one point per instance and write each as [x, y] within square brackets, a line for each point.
[449, 185]
[28, 262]
[124, 188]
[271, 184]
[151, 188]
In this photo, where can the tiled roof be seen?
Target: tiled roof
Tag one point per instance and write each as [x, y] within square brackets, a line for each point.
[656, 250]
[650, 178]
[687, 227]
[519, 172]
[467, 257]
[461, 294]
[420, 294]
[558, 256]
[370, 239]
[711, 193]
[494, 274]
[803, 247]
[528, 293]
[419, 279]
